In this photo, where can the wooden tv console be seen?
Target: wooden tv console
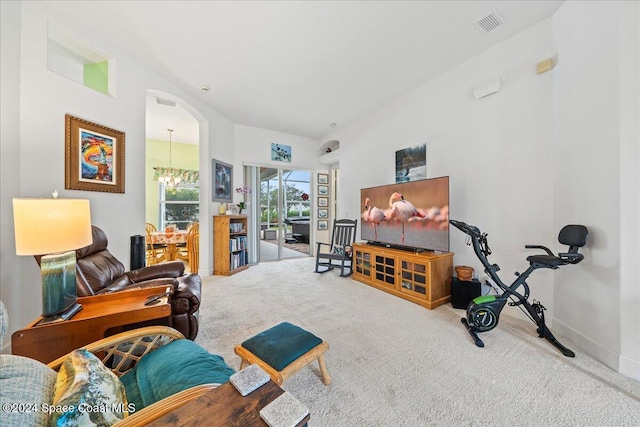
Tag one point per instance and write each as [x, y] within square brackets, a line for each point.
[423, 278]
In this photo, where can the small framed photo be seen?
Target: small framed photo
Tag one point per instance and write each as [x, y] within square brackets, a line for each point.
[323, 190]
[323, 224]
[323, 202]
[323, 178]
[94, 157]
[323, 213]
[281, 153]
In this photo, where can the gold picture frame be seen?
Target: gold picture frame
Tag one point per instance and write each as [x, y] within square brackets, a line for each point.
[94, 156]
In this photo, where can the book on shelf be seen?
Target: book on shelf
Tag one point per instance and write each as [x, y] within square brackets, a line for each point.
[238, 259]
[237, 243]
[236, 227]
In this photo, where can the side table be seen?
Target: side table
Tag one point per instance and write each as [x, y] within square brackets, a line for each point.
[99, 313]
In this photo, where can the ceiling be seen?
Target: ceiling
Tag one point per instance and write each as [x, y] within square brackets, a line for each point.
[298, 66]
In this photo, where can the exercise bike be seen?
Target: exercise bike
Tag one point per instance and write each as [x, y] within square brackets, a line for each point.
[483, 312]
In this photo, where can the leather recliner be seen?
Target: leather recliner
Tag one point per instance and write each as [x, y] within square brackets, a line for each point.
[99, 272]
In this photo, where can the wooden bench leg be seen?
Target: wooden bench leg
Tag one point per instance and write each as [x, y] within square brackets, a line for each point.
[326, 379]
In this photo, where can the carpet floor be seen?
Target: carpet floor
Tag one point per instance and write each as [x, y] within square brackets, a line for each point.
[395, 363]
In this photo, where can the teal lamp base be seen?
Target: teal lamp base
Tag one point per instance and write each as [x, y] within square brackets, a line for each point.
[59, 296]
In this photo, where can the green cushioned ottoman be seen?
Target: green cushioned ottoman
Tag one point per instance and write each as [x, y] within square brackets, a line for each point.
[283, 350]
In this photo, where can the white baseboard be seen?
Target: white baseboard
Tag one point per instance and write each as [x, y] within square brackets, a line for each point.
[592, 348]
[629, 368]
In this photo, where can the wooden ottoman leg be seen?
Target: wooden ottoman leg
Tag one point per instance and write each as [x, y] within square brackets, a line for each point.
[326, 379]
[243, 364]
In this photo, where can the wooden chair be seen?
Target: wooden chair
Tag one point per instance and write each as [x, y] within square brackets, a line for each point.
[193, 250]
[189, 251]
[338, 253]
[121, 352]
[155, 255]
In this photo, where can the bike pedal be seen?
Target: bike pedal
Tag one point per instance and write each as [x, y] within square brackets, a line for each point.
[538, 306]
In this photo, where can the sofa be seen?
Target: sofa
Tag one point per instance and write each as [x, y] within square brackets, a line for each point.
[98, 272]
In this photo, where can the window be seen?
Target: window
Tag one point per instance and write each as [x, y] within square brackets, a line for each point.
[73, 58]
[179, 205]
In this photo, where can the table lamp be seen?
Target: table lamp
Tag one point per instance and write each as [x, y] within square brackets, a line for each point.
[54, 227]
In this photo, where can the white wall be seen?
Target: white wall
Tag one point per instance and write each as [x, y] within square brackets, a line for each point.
[495, 150]
[253, 146]
[545, 151]
[36, 101]
[9, 156]
[596, 140]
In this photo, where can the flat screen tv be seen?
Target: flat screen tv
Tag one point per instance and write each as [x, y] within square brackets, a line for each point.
[408, 215]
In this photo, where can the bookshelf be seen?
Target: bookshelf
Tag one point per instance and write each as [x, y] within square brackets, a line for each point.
[230, 253]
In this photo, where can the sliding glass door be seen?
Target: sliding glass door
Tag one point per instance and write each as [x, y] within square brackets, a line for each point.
[284, 216]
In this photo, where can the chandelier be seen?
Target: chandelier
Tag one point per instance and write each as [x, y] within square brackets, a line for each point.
[168, 178]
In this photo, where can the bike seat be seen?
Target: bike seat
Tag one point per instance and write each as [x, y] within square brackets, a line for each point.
[550, 260]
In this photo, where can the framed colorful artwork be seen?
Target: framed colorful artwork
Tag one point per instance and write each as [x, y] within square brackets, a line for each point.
[94, 156]
[222, 181]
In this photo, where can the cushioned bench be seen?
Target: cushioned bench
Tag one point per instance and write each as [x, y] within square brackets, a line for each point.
[283, 350]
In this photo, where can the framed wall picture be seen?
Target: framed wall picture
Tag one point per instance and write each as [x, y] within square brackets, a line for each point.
[281, 153]
[323, 190]
[323, 178]
[323, 224]
[323, 213]
[222, 181]
[323, 202]
[411, 163]
[94, 156]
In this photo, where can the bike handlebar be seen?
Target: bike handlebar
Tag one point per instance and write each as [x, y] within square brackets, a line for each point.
[466, 228]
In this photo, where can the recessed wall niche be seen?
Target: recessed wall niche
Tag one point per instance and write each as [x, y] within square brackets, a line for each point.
[75, 59]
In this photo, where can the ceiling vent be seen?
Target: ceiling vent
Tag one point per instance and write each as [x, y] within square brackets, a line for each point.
[165, 102]
[491, 22]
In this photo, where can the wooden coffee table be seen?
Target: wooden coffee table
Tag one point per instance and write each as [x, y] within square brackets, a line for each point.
[224, 407]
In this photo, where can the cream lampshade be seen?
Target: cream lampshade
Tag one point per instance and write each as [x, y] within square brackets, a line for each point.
[55, 228]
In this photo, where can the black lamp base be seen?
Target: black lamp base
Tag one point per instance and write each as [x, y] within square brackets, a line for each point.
[61, 317]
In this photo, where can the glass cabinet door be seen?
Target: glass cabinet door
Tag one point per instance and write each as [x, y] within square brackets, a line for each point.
[413, 277]
[385, 270]
[363, 263]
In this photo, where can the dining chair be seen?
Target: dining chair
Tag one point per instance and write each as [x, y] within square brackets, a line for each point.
[154, 254]
[193, 250]
[192, 246]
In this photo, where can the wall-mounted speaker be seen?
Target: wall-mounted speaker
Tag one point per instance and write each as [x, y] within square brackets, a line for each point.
[486, 88]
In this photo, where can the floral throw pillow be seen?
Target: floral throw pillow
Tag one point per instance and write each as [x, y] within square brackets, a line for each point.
[341, 250]
[87, 393]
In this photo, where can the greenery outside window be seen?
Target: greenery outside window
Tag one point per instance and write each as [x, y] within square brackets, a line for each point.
[179, 205]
